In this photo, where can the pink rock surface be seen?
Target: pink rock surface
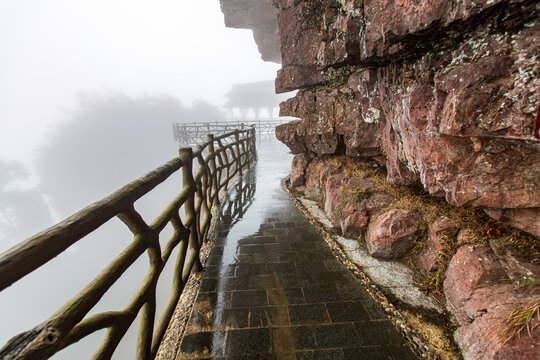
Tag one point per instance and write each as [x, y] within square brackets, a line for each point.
[299, 165]
[378, 202]
[458, 122]
[480, 339]
[345, 115]
[286, 133]
[353, 221]
[472, 267]
[333, 194]
[441, 234]
[481, 297]
[524, 219]
[318, 35]
[517, 269]
[392, 234]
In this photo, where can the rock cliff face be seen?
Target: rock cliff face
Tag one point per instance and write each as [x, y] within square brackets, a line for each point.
[442, 94]
[259, 16]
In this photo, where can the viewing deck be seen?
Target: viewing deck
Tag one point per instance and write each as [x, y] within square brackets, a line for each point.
[193, 133]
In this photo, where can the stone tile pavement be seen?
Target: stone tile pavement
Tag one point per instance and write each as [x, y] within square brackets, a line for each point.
[273, 290]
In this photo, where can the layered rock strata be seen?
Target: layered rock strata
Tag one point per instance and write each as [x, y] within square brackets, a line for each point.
[444, 94]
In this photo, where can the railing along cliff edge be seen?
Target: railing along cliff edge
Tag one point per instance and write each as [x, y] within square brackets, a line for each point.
[219, 160]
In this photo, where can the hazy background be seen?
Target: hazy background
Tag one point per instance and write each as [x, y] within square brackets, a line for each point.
[88, 92]
[73, 71]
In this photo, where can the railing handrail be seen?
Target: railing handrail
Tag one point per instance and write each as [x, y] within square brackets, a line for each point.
[200, 192]
[73, 228]
[226, 124]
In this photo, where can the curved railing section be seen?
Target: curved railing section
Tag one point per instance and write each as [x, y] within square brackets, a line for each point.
[219, 159]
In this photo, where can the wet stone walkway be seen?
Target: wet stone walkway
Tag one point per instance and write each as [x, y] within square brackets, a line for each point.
[273, 290]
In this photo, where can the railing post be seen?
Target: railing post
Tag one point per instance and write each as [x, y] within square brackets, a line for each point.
[186, 154]
[238, 154]
[213, 170]
[247, 148]
[253, 143]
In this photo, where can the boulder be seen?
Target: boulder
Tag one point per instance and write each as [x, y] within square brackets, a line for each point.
[471, 268]
[481, 297]
[441, 236]
[517, 269]
[377, 202]
[357, 184]
[393, 234]
[314, 193]
[287, 135]
[333, 195]
[483, 338]
[353, 221]
[300, 163]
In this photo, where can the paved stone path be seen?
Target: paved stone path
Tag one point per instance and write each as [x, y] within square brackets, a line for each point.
[273, 290]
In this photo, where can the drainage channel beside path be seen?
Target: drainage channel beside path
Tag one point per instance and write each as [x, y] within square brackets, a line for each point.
[272, 289]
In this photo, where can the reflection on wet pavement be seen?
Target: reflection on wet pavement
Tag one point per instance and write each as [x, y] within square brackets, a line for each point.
[273, 290]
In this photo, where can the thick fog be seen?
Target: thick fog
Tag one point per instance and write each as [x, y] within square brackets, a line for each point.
[88, 93]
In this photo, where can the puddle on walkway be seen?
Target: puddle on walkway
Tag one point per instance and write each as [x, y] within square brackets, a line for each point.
[272, 288]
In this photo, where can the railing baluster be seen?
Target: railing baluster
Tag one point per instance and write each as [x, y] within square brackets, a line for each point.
[186, 154]
[146, 327]
[238, 159]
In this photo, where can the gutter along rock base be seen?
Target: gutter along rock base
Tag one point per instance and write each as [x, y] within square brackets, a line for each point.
[473, 268]
[390, 283]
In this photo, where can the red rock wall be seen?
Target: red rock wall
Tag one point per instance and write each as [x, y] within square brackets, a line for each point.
[441, 92]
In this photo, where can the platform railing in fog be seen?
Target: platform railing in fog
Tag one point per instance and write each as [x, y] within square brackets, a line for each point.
[219, 159]
[191, 133]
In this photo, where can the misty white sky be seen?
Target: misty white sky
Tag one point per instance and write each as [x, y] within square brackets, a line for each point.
[52, 50]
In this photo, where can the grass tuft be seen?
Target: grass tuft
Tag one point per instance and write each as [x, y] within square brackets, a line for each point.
[520, 319]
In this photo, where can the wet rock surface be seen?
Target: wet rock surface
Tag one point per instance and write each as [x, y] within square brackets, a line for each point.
[441, 234]
[481, 296]
[454, 110]
[299, 165]
[393, 234]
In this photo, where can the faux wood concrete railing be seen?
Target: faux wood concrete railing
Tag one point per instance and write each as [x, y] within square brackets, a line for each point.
[219, 159]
